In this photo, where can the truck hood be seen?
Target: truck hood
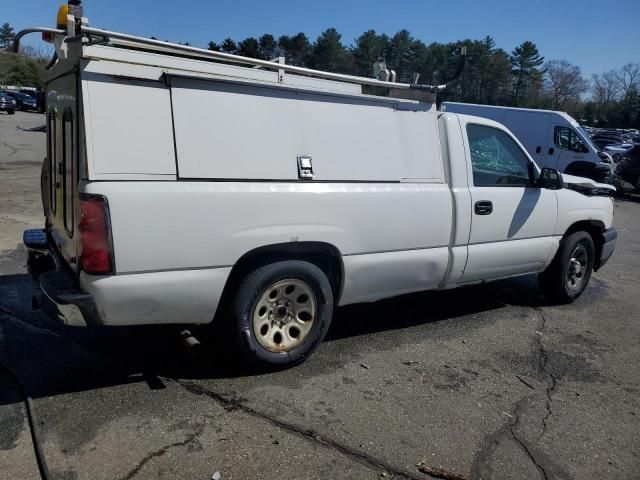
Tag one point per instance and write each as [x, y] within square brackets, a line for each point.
[587, 186]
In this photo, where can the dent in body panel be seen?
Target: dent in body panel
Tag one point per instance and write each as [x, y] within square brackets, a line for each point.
[574, 207]
[375, 276]
[184, 296]
[512, 257]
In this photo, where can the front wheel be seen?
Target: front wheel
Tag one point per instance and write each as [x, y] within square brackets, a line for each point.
[281, 313]
[569, 273]
[11, 112]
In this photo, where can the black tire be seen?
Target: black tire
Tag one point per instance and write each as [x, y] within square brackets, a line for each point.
[250, 293]
[11, 112]
[561, 282]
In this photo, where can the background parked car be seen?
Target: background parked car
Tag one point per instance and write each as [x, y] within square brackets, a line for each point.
[627, 171]
[7, 104]
[23, 101]
[39, 96]
[617, 143]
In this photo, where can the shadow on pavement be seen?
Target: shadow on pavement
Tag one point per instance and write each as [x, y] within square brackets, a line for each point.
[52, 359]
[627, 198]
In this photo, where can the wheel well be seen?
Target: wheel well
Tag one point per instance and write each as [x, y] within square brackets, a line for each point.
[323, 255]
[594, 228]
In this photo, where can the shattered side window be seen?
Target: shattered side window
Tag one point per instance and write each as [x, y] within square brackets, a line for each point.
[496, 159]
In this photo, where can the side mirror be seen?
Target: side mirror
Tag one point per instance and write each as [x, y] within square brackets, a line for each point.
[580, 147]
[550, 178]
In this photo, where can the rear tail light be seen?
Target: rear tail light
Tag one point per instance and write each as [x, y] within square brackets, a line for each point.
[95, 235]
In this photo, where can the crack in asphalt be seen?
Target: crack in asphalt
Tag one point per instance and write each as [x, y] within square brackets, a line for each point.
[362, 458]
[491, 442]
[551, 380]
[234, 404]
[13, 149]
[161, 451]
[525, 383]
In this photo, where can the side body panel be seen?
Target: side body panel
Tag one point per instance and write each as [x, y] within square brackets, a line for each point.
[129, 128]
[535, 132]
[574, 207]
[385, 232]
[232, 131]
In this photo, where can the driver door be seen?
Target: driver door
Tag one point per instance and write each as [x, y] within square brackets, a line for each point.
[570, 147]
[513, 220]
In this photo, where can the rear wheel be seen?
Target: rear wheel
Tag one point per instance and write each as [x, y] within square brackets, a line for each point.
[11, 112]
[281, 313]
[569, 273]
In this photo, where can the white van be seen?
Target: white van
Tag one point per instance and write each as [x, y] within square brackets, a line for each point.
[179, 189]
[553, 139]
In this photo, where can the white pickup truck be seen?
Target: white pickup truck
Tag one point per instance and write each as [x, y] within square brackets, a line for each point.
[180, 187]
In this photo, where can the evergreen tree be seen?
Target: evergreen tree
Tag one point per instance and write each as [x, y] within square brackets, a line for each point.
[249, 47]
[368, 49]
[498, 86]
[328, 52]
[268, 46]
[400, 55]
[213, 46]
[296, 49]
[229, 46]
[6, 36]
[525, 60]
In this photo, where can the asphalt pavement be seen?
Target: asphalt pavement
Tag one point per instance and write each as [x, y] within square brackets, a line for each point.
[485, 382]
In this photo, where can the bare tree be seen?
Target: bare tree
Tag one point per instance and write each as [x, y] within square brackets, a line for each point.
[628, 79]
[563, 82]
[605, 88]
[42, 53]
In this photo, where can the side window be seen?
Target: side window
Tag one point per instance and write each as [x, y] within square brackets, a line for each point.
[567, 139]
[51, 156]
[67, 169]
[496, 159]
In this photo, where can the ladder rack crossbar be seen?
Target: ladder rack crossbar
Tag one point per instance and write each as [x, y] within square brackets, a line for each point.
[132, 40]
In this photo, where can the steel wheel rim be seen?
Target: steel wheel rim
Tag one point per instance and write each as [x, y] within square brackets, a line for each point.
[577, 268]
[284, 315]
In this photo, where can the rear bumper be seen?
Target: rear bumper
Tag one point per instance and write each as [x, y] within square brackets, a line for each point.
[56, 288]
[609, 238]
[160, 297]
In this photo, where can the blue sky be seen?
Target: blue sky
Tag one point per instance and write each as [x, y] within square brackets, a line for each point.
[596, 35]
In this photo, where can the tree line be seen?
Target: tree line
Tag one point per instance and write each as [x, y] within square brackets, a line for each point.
[24, 69]
[492, 75]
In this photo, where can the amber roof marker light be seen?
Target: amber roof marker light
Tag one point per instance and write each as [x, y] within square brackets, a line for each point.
[70, 17]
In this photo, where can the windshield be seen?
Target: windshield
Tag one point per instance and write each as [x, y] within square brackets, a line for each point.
[586, 138]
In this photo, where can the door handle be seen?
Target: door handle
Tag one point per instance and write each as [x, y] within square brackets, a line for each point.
[483, 207]
[538, 149]
[551, 150]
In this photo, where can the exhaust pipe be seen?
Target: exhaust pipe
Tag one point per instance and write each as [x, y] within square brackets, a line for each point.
[191, 343]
